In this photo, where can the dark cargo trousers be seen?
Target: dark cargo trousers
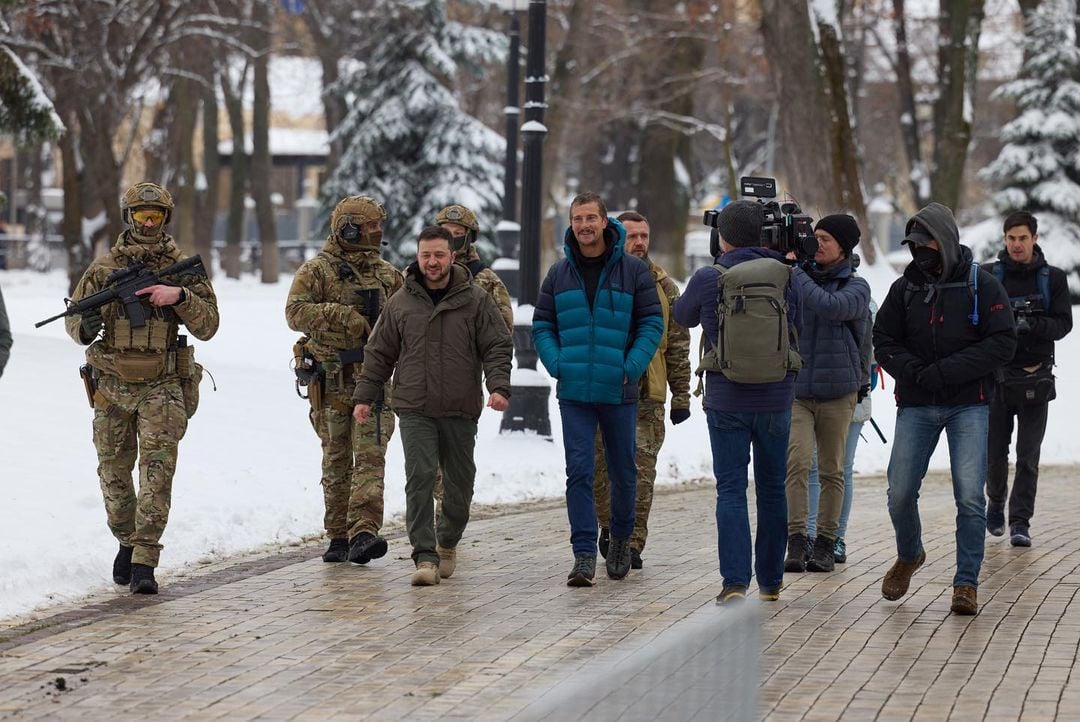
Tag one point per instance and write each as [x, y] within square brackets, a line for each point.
[1031, 427]
[430, 443]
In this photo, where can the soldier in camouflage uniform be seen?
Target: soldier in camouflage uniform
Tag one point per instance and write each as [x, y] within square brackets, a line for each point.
[335, 300]
[146, 381]
[670, 367]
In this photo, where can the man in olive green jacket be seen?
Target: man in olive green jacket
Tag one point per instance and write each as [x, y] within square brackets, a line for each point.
[436, 337]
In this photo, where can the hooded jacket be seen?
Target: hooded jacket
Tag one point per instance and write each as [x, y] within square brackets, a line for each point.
[835, 314]
[437, 352]
[1047, 324]
[924, 336]
[598, 348]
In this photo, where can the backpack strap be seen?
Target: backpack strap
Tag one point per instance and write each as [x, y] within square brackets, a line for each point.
[972, 285]
[1044, 286]
[974, 315]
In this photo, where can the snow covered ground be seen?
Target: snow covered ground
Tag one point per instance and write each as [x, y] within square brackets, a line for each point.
[249, 466]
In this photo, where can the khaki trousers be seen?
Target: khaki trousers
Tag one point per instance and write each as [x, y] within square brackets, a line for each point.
[824, 423]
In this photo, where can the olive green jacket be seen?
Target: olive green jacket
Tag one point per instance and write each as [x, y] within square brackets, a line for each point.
[438, 353]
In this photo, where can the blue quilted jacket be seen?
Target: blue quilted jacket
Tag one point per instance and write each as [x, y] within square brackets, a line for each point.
[598, 351]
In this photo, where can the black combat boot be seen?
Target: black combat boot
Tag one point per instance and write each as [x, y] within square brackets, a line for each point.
[121, 565]
[338, 551]
[796, 553]
[618, 558]
[635, 558]
[822, 559]
[605, 541]
[365, 546]
[142, 579]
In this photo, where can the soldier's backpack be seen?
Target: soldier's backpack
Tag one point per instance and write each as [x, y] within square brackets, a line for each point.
[754, 344]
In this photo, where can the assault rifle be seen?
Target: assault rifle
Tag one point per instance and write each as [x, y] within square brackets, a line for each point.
[123, 285]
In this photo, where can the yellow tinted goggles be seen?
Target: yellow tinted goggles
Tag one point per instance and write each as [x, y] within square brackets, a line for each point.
[142, 216]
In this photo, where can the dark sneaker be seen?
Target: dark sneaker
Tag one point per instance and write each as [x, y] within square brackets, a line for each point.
[796, 553]
[840, 551]
[731, 594]
[821, 558]
[964, 600]
[618, 559]
[635, 558]
[142, 579]
[121, 566]
[768, 594]
[338, 551]
[1019, 536]
[898, 578]
[605, 541]
[583, 573]
[364, 547]
[995, 521]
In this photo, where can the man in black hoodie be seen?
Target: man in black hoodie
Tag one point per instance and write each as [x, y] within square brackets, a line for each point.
[1039, 294]
[943, 329]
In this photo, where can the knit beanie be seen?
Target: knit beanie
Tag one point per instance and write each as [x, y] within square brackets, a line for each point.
[843, 228]
[740, 223]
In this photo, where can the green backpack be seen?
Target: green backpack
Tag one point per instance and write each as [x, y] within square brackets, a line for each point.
[754, 344]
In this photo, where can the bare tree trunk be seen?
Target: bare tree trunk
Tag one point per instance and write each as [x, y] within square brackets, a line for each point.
[187, 97]
[78, 256]
[261, 162]
[959, 25]
[909, 120]
[796, 76]
[238, 173]
[845, 149]
[328, 47]
[206, 199]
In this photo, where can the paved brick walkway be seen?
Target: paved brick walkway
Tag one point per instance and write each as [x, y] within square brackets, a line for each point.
[290, 637]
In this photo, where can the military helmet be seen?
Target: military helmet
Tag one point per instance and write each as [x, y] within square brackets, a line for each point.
[356, 211]
[143, 195]
[462, 216]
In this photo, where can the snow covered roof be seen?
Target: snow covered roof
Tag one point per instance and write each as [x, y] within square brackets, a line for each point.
[287, 142]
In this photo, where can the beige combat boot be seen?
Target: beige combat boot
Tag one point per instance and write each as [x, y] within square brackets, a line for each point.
[426, 575]
[447, 561]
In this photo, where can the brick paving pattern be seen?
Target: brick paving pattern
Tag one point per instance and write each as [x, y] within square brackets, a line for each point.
[289, 637]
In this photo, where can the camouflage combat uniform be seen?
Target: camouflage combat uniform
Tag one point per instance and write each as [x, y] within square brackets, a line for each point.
[669, 367]
[147, 388]
[326, 302]
[488, 280]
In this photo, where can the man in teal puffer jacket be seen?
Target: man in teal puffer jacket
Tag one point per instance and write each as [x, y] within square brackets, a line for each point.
[597, 324]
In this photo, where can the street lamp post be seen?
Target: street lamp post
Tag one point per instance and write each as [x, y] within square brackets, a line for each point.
[530, 390]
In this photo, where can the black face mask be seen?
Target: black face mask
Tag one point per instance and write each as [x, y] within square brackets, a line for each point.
[928, 260]
[350, 233]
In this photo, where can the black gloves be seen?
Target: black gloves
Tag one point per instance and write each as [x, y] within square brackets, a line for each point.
[930, 378]
[679, 415]
[90, 324]
[863, 391]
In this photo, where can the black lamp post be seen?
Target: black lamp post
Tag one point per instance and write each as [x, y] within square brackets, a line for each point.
[531, 391]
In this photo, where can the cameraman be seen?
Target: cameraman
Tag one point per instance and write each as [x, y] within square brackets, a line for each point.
[1039, 295]
[836, 313]
[742, 415]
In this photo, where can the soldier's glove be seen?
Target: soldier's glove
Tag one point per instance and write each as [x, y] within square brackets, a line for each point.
[357, 327]
[931, 379]
[863, 391]
[679, 415]
[90, 324]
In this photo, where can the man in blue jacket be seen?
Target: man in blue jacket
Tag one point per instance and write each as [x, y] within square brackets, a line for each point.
[597, 324]
[741, 415]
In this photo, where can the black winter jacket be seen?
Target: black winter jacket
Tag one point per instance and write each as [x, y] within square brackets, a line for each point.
[926, 339]
[1047, 324]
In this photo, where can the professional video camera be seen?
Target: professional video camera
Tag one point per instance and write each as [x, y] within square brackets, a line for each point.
[1024, 308]
[786, 227]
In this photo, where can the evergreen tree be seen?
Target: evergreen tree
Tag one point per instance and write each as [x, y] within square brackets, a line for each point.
[1038, 169]
[406, 140]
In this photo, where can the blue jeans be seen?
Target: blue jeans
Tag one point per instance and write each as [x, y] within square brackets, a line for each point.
[918, 429]
[732, 434]
[618, 427]
[814, 485]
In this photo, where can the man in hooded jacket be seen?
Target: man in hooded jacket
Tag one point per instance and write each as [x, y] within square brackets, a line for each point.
[941, 332]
